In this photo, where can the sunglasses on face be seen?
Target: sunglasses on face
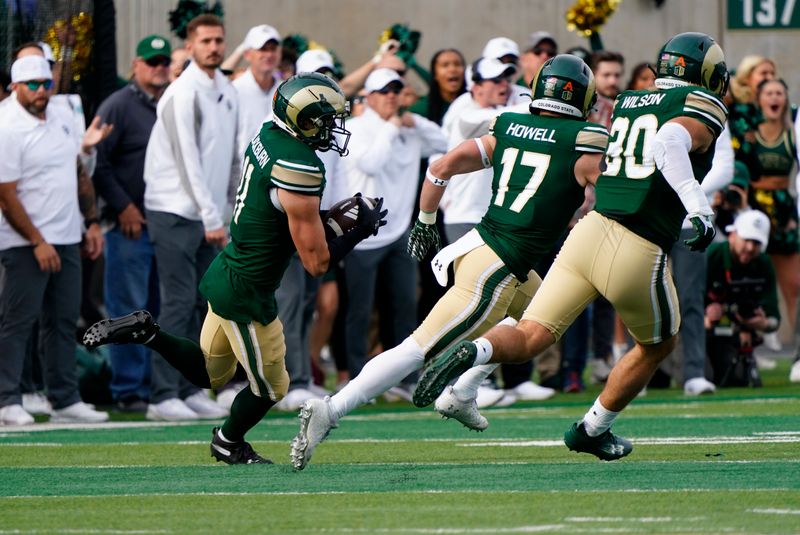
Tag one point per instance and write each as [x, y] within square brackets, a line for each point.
[549, 51]
[34, 85]
[158, 61]
[390, 89]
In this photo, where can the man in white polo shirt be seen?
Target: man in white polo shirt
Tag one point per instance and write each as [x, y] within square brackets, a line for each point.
[190, 164]
[385, 151]
[257, 85]
[44, 207]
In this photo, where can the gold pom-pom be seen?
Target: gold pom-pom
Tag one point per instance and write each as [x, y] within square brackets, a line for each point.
[588, 16]
[71, 42]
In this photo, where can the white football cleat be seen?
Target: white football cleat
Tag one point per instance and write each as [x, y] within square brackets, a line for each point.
[316, 421]
[36, 403]
[449, 405]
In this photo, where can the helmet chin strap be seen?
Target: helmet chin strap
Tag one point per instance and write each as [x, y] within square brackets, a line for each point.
[283, 126]
[669, 83]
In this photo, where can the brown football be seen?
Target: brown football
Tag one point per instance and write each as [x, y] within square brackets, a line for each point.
[341, 218]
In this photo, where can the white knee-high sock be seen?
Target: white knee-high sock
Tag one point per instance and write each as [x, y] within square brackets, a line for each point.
[378, 375]
[598, 419]
[466, 387]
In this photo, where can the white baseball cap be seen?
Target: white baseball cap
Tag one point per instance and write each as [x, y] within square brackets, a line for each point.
[751, 225]
[258, 36]
[499, 47]
[313, 61]
[380, 78]
[30, 68]
[489, 68]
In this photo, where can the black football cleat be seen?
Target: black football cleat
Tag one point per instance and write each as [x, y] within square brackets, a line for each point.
[136, 328]
[606, 446]
[234, 452]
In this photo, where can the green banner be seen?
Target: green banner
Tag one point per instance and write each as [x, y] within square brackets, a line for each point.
[763, 14]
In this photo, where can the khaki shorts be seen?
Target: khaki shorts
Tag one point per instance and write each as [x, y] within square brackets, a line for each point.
[485, 292]
[601, 257]
[258, 348]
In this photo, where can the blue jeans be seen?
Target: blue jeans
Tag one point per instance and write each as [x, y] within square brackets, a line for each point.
[131, 283]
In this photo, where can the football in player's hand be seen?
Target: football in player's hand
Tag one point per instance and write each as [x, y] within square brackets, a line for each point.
[342, 217]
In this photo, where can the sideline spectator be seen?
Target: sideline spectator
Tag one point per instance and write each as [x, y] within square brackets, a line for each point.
[741, 299]
[131, 282]
[540, 47]
[257, 85]
[190, 165]
[42, 198]
[776, 152]
[179, 61]
[385, 151]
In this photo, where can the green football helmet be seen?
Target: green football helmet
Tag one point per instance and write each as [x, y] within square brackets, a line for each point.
[307, 106]
[692, 58]
[564, 85]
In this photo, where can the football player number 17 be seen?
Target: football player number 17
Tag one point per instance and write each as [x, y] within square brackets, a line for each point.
[536, 160]
[625, 137]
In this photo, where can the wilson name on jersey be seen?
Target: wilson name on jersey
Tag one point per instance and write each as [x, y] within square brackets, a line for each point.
[632, 190]
[241, 281]
[534, 191]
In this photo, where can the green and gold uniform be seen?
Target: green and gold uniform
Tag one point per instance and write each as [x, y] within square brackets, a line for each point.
[619, 249]
[631, 190]
[240, 284]
[777, 158]
[534, 196]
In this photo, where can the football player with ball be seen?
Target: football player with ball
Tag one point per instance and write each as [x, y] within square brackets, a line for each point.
[276, 213]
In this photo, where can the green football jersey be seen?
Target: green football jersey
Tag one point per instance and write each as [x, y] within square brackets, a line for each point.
[534, 191]
[240, 284]
[631, 189]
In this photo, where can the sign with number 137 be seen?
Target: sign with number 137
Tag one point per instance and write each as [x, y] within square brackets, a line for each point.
[762, 14]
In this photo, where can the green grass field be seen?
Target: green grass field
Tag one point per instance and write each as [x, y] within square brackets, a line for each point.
[728, 463]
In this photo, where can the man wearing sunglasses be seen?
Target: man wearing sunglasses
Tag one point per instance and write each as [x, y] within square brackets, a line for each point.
[45, 205]
[384, 160]
[131, 282]
[541, 47]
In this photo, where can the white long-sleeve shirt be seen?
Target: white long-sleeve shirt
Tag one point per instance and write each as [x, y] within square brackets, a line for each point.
[191, 157]
[255, 107]
[467, 196]
[721, 172]
[384, 162]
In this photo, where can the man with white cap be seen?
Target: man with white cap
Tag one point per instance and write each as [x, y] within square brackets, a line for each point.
[503, 49]
[741, 299]
[316, 60]
[45, 206]
[190, 171]
[466, 199]
[540, 47]
[384, 160]
[257, 85]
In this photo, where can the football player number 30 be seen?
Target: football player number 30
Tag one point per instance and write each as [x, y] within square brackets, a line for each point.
[538, 161]
[625, 137]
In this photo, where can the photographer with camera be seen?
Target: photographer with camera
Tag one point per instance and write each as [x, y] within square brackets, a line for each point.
[741, 300]
[730, 201]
